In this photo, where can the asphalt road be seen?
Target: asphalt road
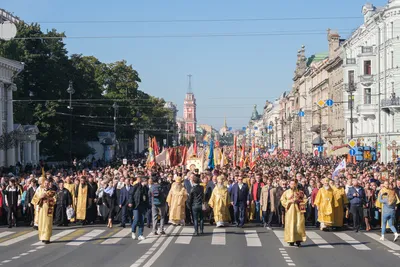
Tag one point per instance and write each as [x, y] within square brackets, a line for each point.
[232, 247]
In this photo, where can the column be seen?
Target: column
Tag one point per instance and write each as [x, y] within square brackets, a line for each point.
[10, 124]
[18, 145]
[33, 152]
[141, 141]
[2, 153]
[27, 152]
[38, 150]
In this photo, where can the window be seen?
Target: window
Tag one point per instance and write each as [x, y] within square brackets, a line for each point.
[190, 116]
[367, 96]
[367, 67]
[351, 77]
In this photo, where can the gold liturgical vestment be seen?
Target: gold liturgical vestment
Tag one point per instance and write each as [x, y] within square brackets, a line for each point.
[338, 212]
[176, 200]
[326, 202]
[295, 226]
[81, 203]
[71, 189]
[219, 201]
[46, 212]
[39, 191]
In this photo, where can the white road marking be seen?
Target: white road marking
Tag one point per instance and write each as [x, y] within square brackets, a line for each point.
[85, 238]
[56, 237]
[117, 237]
[6, 261]
[291, 264]
[151, 237]
[218, 237]
[354, 243]
[387, 243]
[6, 233]
[24, 254]
[18, 239]
[185, 236]
[318, 240]
[155, 245]
[16, 257]
[279, 234]
[252, 238]
[160, 250]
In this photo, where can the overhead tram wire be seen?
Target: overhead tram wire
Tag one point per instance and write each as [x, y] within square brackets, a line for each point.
[197, 20]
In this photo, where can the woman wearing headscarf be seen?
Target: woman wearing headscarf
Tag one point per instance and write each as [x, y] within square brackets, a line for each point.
[219, 201]
[387, 200]
[176, 201]
[109, 201]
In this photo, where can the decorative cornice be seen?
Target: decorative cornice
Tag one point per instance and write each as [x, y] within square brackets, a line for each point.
[11, 64]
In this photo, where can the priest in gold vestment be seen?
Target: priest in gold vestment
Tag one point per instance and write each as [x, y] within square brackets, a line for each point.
[177, 201]
[343, 202]
[219, 202]
[294, 202]
[40, 190]
[45, 200]
[81, 196]
[326, 202]
[71, 188]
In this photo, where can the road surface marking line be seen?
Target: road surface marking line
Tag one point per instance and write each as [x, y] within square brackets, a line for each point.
[40, 247]
[286, 258]
[6, 261]
[155, 245]
[73, 235]
[389, 244]
[279, 234]
[161, 249]
[151, 237]
[185, 236]
[291, 264]
[391, 251]
[32, 250]
[6, 233]
[396, 254]
[117, 237]
[85, 238]
[252, 238]
[18, 239]
[354, 243]
[106, 236]
[16, 257]
[318, 240]
[281, 249]
[218, 237]
[56, 237]
[24, 254]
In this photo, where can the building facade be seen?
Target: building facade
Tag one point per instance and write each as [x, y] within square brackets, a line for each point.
[371, 77]
[189, 113]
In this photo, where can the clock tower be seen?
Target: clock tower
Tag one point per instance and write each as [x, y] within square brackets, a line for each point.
[189, 112]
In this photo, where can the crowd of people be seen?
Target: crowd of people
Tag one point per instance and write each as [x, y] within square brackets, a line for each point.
[289, 191]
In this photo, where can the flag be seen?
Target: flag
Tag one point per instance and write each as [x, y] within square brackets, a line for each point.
[253, 155]
[234, 157]
[162, 157]
[184, 155]
[341, 166]
[242, 154]
[190, 151]
[155, 147]
[211, 156]
[195, 148]
[151, 159]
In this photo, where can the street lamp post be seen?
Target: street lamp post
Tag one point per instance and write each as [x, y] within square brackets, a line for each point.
[350, 89]
[70, 91]
[115, 107]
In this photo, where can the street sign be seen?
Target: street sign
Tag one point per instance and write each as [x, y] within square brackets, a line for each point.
[352, 152]
[352, 143]
[125, 161]
[321, 103]
[320, 149]
[301, 113]
[270, 127]
[329, 102]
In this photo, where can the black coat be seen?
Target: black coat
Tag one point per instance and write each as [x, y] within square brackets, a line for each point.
[196, 196]
[139, 197]
[64, 198]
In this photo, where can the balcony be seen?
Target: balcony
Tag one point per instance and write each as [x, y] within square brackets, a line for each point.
[351, 61]
[367, 110]
[367, 79]
[391, 105]
[366, 51]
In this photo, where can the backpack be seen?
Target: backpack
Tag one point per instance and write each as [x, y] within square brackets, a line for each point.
[157, 195]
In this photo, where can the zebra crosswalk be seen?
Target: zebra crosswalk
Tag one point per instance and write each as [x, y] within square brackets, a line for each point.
[252, 238]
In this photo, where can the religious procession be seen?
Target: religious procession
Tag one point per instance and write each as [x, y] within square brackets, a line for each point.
[221, 186]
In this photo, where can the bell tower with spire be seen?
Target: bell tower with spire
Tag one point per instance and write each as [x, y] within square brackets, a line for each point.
[189, 111]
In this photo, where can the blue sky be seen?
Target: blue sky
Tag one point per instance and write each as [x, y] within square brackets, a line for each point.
[230, 74]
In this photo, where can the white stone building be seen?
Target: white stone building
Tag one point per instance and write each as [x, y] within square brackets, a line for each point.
[372, 78]
[18, 143]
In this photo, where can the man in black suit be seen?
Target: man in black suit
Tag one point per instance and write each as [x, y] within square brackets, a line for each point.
[125, 195]
[188, 184]
[240, 198]
[30, 209]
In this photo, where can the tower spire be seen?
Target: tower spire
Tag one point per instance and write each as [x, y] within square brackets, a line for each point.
[190, 84]
[225, 124]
